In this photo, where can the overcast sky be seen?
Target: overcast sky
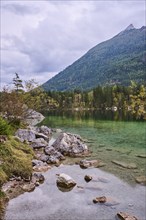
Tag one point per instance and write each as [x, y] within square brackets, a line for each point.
[41, 38]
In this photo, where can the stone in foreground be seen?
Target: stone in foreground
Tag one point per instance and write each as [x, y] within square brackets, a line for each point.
[125, 216]
[65, 181]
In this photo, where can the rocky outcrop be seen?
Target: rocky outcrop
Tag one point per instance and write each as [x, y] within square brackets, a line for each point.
[70, 144]
[34, 117]
[125, 216]
[65, 181]
[125, 165]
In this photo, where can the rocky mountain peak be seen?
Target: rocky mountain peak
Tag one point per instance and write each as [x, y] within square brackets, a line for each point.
[130, 27]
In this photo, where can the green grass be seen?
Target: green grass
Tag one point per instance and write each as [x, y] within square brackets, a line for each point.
[15, 159]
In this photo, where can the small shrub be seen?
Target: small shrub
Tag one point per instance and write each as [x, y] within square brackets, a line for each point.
[5, 128]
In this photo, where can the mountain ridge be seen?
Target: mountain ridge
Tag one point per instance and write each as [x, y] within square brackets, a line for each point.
[117, 60]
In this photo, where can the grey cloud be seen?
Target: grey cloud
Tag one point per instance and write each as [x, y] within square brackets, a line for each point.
[20, 9]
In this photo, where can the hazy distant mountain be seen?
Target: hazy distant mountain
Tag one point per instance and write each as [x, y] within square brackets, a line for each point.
[115, 61]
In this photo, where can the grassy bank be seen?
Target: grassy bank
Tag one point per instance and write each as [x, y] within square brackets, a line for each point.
[15, 159]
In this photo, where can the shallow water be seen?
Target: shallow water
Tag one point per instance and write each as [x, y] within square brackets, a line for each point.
[47, 202]
[107, 139]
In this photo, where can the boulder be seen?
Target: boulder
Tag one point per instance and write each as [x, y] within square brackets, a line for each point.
[88, 178]
[37, 177]
[44, 157]
[49, 150]
[28, 187]
[42, 168]
[89, 163]
[44, 130]
[141, 180]
[39, 143]
[52, 159]
[37, 163]
[65, 181]
[41, 135]
[125, 165]
[70, 144]
[25, 135]
[34, 117]
[125, 216]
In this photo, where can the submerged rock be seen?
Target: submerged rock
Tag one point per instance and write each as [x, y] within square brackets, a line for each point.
[141, 180]
[125, 216]
[65, 181]
[141, 155]
[108, 201]
[88, 178]
[101, 199]
[89, 163]
[125, 165]
[70, 144]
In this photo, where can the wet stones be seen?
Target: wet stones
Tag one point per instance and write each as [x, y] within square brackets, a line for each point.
[88, 178]
[125, 216]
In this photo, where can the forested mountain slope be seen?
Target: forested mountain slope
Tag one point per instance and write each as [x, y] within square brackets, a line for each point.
[115, 61]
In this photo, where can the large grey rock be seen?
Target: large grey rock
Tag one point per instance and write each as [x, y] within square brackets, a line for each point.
[39, 143]
[70, 144]
[34, 117]
[49, 150]
[25, 135]
[44, 130]
[65, 181]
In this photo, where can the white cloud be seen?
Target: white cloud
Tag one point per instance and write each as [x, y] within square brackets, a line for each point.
[41, 38]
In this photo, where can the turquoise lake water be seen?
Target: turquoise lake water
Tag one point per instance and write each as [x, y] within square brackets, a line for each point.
[110, 137]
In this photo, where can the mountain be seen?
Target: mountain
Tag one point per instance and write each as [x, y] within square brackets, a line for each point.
[115, 61]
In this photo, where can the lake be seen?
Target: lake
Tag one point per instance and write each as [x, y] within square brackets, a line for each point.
[109, 137]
